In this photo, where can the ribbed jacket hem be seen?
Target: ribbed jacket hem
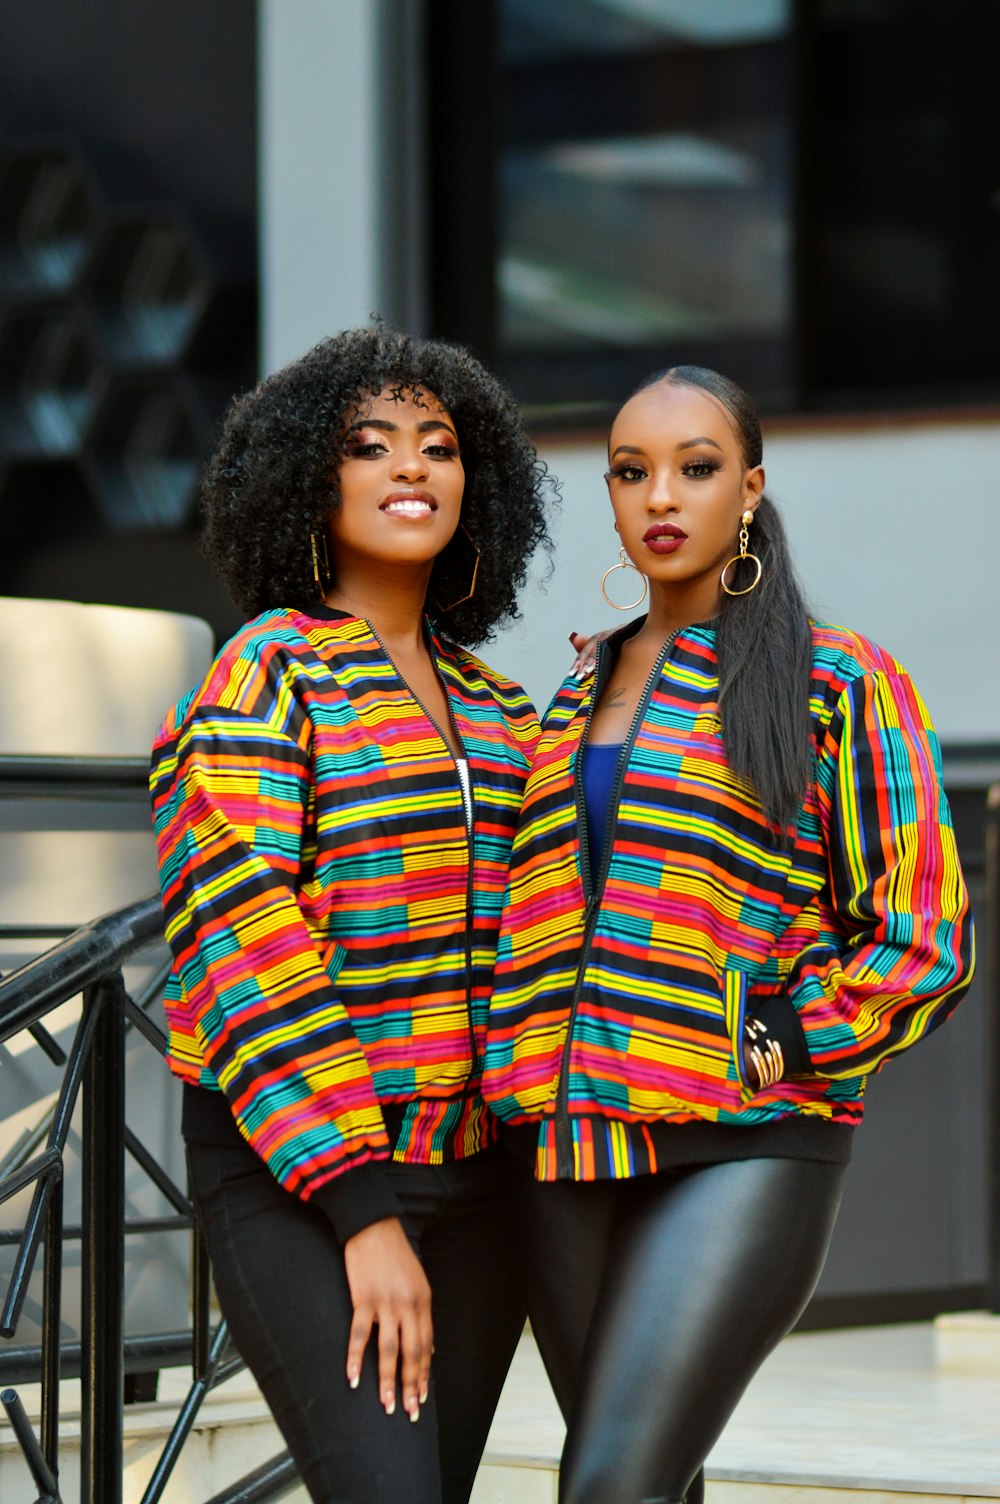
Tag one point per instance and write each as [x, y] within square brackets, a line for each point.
[609, 1149]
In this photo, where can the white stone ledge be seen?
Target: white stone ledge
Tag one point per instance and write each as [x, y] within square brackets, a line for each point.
[967, 1342]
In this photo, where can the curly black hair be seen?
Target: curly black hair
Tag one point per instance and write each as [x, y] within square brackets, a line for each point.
[268, 485]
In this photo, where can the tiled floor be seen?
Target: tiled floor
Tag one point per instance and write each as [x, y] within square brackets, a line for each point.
[867, 1409]
[863, 1410]
[852, 1417]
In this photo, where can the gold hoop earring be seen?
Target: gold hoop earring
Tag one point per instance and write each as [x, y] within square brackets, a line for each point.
[320, 562]
[737, 559]
[460, 601]
[624, 562]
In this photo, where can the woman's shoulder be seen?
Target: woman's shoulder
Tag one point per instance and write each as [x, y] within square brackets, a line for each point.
[841, 655]
[274, 647]
[473, 668]
[282, 632]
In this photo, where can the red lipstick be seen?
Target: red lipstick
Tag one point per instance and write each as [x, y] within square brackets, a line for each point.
[663, 537]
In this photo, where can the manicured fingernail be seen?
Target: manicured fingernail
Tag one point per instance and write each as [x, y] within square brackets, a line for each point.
[390, 1404]
[354, 1380]
[423, 1396]
[414, 1412]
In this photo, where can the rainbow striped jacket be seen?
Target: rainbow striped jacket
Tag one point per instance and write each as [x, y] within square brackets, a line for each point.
[333, 920]
[622, 1004]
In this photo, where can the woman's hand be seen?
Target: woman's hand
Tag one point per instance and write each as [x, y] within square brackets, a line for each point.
[749, 1065]
[763, 1059]
[586, 652]
[389, 1289]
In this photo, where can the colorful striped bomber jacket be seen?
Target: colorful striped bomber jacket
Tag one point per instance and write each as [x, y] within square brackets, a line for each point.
[622, 1004]
[333, 919]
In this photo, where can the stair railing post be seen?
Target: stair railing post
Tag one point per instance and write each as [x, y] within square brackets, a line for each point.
[103, 1248]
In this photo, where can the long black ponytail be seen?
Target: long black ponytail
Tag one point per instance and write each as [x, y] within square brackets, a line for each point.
[764, 641]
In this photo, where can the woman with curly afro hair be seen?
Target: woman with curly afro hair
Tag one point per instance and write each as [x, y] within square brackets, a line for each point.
[335, 806]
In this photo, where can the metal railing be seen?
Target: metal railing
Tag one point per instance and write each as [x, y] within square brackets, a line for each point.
[88, 963]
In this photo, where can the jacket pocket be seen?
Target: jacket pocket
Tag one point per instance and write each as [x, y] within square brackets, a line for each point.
[734, 993]
[663, 1053]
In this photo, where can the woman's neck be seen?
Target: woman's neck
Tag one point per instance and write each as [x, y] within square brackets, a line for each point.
[673, 610]
[393, 607]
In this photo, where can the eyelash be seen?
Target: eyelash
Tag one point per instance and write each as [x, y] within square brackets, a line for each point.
[377, 446]
[693, 469]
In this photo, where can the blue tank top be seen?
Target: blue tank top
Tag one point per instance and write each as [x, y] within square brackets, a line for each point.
[600, 760]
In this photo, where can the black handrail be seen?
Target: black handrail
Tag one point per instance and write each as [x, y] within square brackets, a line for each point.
[90, 961]
[87, 956]
[30, 772]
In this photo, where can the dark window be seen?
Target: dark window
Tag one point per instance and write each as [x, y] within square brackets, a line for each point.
[900, 203]
[802, 193]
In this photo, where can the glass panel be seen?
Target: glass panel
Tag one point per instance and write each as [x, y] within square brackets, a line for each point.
[906, 203]
[645, 195]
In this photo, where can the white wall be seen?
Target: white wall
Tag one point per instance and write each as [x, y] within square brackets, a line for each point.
[341, 170]
[319, 184]
[895, 529]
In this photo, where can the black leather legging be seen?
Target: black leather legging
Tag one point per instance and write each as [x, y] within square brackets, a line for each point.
[655, 1301]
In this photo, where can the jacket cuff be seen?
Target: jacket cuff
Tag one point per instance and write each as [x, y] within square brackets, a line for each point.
[356, 1199]
[780, 1018]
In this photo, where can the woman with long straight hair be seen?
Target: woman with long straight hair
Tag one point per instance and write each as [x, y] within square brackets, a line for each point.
[734, 894]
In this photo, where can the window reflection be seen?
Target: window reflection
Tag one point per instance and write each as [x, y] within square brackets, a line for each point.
[645, 199]
[805, 196]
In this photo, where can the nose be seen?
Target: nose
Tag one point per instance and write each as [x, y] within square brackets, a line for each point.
[659, 497]
[409, 463]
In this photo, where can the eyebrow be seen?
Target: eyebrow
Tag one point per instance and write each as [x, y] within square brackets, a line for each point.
[428, 425]
[685, 444]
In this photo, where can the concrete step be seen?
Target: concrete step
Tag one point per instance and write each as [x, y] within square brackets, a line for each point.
[233, 1435]
[854, 1417]
[860, 1417]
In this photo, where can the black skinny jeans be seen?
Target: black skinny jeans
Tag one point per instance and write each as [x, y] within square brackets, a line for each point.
[655, 1301]
[280, 1279]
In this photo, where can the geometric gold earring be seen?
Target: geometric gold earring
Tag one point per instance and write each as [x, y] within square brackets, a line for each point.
[320, 563]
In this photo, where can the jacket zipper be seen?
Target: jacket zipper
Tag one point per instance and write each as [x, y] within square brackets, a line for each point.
[592, 891]
[468, 823]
